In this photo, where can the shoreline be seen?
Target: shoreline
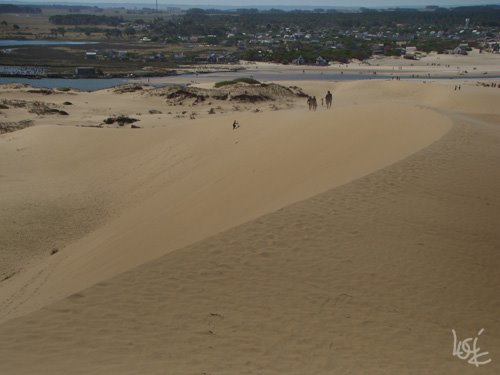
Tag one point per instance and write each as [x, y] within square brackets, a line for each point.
[187, 78]
[473, 66]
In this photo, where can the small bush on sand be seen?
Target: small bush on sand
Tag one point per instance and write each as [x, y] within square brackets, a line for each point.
[250, 81]
[120, 120]
[8, 127]
[41, 91]
[41, 108]
[123, 89]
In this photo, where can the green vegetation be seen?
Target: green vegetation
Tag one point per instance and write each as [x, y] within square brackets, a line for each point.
[85, 19]
[439, 46]
[9, 8]
[250, 81]
[217, 22]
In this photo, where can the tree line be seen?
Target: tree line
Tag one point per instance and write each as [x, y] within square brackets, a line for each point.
[10, 8]
[219, 22]
[85, 19]
[488, 15]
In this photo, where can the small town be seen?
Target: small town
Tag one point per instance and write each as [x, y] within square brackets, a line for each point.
[149, 42]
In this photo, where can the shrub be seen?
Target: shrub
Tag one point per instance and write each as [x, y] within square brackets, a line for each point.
[250, 81]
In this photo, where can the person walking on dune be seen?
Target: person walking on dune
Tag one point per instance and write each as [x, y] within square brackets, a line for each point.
[329, 99]
[310, 102]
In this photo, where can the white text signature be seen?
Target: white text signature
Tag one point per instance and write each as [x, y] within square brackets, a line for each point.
[468, 350]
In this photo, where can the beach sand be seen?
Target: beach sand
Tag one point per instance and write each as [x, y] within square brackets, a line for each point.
[344, 241]
[457, 68]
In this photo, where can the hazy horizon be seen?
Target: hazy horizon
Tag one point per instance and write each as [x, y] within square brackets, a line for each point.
[266, 3]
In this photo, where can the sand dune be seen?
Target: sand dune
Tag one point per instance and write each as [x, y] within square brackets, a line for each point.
[349, 241]
[171, 187]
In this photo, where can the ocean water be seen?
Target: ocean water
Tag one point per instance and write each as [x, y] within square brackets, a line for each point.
[19, 43]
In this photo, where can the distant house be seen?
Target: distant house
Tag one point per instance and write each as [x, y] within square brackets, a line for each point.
[241, 44]
[377, 49]
[321, 61]
[228, 59]
[212, 58]
[464, 47]
[460, 50]
[411, 53]
[91, 55]
[85, 72]
[299, 61]
[179, 56]
[200, 60]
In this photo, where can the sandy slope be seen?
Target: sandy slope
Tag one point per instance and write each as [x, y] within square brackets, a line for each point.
[368, 277]
[177, 185]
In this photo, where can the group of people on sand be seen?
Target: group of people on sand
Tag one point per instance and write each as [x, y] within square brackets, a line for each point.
[312, 102]
[486, 84]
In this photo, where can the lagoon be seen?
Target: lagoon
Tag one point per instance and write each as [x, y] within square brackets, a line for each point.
[83, 84]
[20, 43]
[93, 84]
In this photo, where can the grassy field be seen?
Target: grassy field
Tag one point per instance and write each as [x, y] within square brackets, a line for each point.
[35, 26]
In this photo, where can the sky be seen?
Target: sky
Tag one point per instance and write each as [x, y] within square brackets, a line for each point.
[348, 3]
[298, 3]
